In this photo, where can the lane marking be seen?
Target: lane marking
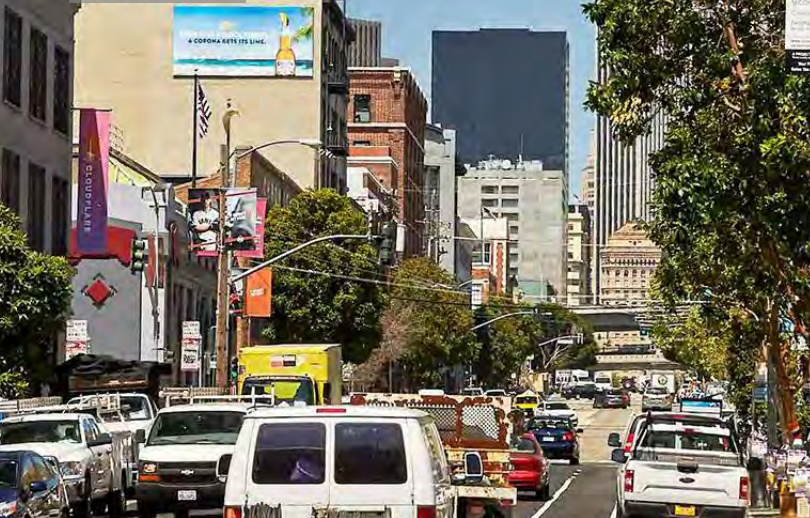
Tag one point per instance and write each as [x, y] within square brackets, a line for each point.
[613, 514]
[557, 494]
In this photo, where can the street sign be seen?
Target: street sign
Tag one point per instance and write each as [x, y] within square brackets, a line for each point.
[797, 36]
[76, 331]
[191, 329]
[190, 354]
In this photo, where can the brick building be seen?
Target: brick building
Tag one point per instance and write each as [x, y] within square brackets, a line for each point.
[387, 113]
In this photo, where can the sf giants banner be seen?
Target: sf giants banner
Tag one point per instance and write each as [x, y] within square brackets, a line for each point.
[91, 205]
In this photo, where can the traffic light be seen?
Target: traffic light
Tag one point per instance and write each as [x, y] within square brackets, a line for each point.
[388, 243]
[234, 368]
[139, 256]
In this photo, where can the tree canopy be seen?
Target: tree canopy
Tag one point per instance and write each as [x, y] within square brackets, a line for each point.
[35, 296]
[313, 300]
[732, 199]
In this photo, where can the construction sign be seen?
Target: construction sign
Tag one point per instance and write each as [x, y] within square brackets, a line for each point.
[259, 294]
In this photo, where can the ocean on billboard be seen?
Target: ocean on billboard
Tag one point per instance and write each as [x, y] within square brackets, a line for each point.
[243, 41]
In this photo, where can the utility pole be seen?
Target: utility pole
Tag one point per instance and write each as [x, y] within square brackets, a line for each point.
[224, 256]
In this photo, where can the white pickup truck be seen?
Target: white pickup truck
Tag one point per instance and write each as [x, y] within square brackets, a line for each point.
[678, 469]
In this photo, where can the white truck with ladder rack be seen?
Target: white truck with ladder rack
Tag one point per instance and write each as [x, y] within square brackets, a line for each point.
[95, 463]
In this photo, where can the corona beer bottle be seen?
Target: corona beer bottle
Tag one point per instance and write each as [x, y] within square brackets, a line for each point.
[285, 58]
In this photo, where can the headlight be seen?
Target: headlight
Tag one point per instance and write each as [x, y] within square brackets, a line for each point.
[71, 468]
[147, 467]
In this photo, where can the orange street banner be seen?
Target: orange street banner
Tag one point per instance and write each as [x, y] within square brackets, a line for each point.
[259, 294]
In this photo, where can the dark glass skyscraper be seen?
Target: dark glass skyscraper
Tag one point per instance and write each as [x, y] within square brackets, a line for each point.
[505, 91]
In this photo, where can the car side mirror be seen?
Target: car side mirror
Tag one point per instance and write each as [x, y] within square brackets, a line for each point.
[103, 439]
[618, 455]
[223, 466]
[473, 467]
[140, 435]
[614, 440]
[37, 486]
[580, 431]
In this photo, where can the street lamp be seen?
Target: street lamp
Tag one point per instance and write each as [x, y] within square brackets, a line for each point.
[162, 188]
[307, 142]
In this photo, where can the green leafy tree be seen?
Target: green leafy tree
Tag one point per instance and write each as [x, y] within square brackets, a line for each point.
[438, 335]
[35, 296]
[732, 196]
[310, 307]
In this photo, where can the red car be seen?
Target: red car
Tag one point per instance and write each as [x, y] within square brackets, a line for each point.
[530, 467]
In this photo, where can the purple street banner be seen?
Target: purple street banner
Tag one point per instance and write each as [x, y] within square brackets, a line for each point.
[91, 205]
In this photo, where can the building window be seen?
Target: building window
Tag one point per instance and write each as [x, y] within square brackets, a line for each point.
[514, 230]
[510, 189]
[59, 215]
[38, 79]
[487, 253]
[513, 258]
[36, 207]
[489, 203]
[61, 90]
[489, 189]
[509, 204]
[570, 226]
[12, 58]
[10, 188]
[362, 108]
[512, 217]
[570, 255]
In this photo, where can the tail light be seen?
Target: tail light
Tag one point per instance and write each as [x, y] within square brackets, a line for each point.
[232, 511]
[628, 444]
[568, 437]
[629, 477]
[423, 511]
[144, 477]
[744, 488]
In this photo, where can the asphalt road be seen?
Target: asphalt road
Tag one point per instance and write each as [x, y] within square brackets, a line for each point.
[587, 490]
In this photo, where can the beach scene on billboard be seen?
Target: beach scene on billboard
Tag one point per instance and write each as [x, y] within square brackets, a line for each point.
[246, 41]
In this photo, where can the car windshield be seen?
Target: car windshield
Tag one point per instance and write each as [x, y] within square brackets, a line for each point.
[657, 391]
[196, 428]
[526, 400]
[557, 406]
[8, 472]
[687, 440]
[615, 393]
[558, 424]
[40, 431]
[287, 391]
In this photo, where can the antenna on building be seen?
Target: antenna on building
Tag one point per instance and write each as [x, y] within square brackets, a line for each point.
[520, 156]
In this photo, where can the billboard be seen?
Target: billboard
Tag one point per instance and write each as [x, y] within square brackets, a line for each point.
[91, 205]
[203, 210]
[243, 41]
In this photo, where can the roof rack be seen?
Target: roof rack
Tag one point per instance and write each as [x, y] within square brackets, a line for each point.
[16, 406]
[99, 404]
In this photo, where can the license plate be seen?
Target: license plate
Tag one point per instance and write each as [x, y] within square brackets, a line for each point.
[548, 439]
[684, 510]
[186, 496]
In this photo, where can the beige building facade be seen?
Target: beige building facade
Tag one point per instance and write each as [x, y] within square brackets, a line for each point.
[627, 265]
[36, 97]
[579, 257]
[124, 63]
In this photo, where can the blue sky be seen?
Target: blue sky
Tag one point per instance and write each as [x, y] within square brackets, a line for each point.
[408, 24]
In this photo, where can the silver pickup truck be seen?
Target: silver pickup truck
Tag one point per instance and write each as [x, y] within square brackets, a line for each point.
[678, 469]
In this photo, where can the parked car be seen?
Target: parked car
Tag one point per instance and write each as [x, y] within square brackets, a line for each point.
[611, 399]
[580, 391]
[355, 459]
[656, 398]
[558, 438]
[531, 467]
[30, 487]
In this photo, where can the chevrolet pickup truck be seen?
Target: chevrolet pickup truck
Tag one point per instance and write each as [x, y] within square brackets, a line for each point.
[678, 469]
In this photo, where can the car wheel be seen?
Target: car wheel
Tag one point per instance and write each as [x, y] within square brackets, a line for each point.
[544, 493]
[116, 504]
[83, 509]
[575, 461]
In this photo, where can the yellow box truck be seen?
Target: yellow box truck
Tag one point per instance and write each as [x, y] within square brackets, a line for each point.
[293, 373]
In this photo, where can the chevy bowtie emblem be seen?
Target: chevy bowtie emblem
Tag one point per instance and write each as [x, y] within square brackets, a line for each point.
[187, 472]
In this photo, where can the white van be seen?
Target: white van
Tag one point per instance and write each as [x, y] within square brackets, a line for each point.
[360, 460]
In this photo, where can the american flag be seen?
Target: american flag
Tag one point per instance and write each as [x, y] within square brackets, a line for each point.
[203, 111]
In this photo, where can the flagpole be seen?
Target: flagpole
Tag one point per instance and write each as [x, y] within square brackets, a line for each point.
[195, 115]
